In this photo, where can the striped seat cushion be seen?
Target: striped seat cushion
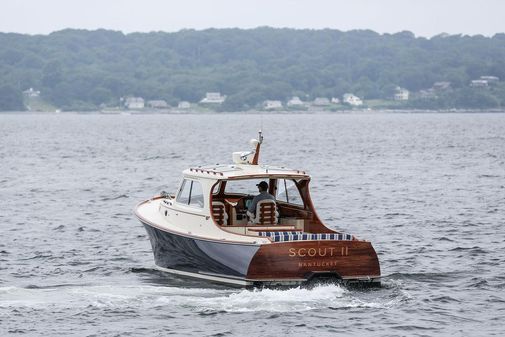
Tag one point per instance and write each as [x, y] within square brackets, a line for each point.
[301, 236]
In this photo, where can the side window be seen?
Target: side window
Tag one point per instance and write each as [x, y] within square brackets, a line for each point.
[216, 188]
[287, 191]
[196, 197]
[183, 196]
[191, 193]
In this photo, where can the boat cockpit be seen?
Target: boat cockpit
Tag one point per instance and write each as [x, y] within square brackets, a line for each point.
[291, 210]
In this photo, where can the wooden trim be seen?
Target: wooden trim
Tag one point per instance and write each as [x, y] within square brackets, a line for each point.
[298, 259]
[256, 154]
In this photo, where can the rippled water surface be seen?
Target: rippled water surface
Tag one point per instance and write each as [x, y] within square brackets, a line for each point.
[427, 189]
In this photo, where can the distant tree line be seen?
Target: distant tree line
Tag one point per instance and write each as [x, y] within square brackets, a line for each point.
[79, 69]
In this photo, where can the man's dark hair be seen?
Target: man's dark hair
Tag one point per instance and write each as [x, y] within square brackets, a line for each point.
[263, 186]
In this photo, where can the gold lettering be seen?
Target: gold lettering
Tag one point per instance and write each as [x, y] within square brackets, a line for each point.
[322, 254]
[331, 250]
[312, 252]
[300, 252]
[292, 252]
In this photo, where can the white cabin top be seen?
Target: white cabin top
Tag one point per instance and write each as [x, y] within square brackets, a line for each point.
[242, 171]
[245, 166]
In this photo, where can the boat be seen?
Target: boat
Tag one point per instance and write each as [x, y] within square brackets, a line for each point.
[208, 230]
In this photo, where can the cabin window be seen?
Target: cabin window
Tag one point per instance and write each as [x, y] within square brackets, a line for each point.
[288, 192]
[216, 189]
[196, 196]
[246, 186]
[191, 193]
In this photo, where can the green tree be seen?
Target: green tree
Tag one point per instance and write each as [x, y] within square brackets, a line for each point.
[11, 99]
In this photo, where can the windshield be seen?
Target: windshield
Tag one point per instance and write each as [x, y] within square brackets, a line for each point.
[243, 186]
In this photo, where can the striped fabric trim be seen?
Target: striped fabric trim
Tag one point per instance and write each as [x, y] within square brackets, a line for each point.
[301, 236]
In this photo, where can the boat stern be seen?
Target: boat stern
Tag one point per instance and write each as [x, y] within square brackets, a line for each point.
[302, 261]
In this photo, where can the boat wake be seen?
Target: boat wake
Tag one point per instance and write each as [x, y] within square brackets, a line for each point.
[200, 300]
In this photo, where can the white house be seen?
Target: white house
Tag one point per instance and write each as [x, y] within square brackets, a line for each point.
[134, 103]
[335, 100]
[401, 94]
[184, 105]
[352, 100]
[31, 93]
[490, 79]
[479, 83]
[321, 101]
[272, 105]
[295, 102]
[213, 98]
[157, 104]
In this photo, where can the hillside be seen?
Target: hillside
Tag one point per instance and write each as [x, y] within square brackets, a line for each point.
[78, 69]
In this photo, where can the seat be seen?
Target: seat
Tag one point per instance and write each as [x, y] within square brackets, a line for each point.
[266, 213]
[219, 213]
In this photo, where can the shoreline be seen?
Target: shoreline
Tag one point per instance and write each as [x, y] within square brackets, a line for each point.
[254, 112]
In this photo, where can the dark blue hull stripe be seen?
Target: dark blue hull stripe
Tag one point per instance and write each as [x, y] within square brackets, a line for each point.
[172, 251]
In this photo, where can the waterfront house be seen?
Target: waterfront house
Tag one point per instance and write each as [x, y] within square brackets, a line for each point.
[401, 94]
[479, 83]
[335, 100]
[490, 79]
[352, 100]
[134, 103]
[213, 98]
[295, 102]
[272, 105]
[157, 104]
[31, 93]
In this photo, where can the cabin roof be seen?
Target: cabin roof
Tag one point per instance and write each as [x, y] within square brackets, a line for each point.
[242, 171]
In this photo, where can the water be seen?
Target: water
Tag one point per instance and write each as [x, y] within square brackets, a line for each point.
[427, 189]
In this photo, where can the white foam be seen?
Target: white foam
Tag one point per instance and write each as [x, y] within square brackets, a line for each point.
[196, 299]
[296, 299]
[82, 296]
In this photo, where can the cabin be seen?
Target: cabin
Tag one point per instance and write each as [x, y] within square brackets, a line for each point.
[226, 191]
